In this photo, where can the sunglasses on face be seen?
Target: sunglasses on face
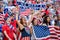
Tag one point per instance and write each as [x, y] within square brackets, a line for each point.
[1, 12]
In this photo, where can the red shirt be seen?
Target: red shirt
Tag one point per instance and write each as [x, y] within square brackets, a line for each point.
[14, 25]
[9, 32]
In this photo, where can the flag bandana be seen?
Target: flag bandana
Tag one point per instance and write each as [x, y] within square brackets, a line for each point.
[11, 27]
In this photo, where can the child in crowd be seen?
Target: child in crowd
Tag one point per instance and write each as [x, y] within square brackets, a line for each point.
[8, 31]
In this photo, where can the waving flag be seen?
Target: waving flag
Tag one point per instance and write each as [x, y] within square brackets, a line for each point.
[46, 32]
[54, 33]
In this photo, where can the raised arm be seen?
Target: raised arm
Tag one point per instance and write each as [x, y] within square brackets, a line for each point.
[20, 25]
[29, 22]
[32, 16]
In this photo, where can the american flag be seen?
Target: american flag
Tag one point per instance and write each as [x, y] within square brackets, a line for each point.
[54, 34]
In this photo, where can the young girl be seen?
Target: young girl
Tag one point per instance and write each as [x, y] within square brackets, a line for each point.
[8, 31]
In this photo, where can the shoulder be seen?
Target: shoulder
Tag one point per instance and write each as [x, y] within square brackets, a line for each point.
[4, 26]
[14, 20]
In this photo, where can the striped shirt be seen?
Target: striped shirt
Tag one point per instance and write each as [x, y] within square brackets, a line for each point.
[1, 18]
[22, 38]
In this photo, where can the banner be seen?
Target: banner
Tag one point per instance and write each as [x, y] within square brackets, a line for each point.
[32, 6]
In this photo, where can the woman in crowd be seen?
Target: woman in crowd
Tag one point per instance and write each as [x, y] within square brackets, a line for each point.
[24, 29]
[34, 22]
[55, 18]
[47, 20]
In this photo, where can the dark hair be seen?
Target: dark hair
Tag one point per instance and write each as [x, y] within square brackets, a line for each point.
[45, 20]
[21, 21]
[33, 21]
[55, 20]
[44, 15]
[55, 16]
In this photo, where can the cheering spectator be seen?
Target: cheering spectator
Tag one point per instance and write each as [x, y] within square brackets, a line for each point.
[55, 19]
[24, 29]
[46, 20]
[8, 31]
[58, 21]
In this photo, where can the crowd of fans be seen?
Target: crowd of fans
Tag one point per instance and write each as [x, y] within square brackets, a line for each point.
[16, 24]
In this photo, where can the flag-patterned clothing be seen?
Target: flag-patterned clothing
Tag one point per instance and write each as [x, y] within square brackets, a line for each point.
[1, 18]
[25, 34]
